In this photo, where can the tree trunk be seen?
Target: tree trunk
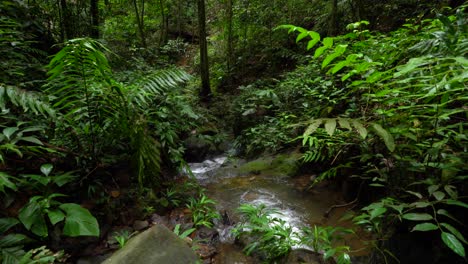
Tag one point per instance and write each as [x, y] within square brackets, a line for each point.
[205, 92]
[140, 22]
[164, 25]
[66, 31]
[332, 28]
[229, 49]
[94, 8]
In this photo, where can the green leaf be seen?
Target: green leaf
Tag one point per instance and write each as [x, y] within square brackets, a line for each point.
[387, 137]
[424, 227]
[417, 216]
[360, 128]
[55, 216]
[327, 42]
[32, 217]
[447, 214]
[187, 232]
[415, 194]
[432, 188]
[301, 36]
[439, 195]
[6, 223]
[79, 221]
[315, 39]
[344, 123]
[420, 204]
[343, 259]
[454, 231]
[5, 182]
[32, 140]
[46, 169]
[452, 242]
[314, 125]
[318, 52]
[330, 126]
[9, 131]
[457, 203]
[377, 211]
[12, 240]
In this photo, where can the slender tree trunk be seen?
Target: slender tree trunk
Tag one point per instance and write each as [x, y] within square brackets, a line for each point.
[65, 31]
[178, 15]
[205, 92]
[332, 27]
[140, 24]
[164, 25]
[94, 18]
[229, 55]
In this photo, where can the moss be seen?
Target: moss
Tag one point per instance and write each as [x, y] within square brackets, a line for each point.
[282, 164]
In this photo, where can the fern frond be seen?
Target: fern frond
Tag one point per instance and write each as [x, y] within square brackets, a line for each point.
[29, 101]
[157, 84]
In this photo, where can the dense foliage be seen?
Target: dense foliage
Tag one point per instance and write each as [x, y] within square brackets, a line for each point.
[97, 98]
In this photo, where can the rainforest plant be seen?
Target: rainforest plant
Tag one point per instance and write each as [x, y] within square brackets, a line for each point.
[100, 114]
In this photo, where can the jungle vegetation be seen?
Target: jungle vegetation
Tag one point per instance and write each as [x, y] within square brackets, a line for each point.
[99, 96]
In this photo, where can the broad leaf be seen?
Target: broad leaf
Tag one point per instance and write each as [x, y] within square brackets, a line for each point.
[46, 169]
[7, 223]
[458, 203]
[417, 216]
[377, 211]
[5, 182]
[330, 126]
[454, 231]
[9, 131]
[452, 242]
[314, 125]
[360, 128]
[55, 216]
[79, 221]
[315, 39]
[424, 227]
[32, 217]
[439, 195]
[387, 137]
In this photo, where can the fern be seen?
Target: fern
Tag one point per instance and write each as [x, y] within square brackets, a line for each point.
[28, 101]
[330, 125]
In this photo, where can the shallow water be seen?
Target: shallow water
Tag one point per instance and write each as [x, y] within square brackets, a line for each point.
[298, 207]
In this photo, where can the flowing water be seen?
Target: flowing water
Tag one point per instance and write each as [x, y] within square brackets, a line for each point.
[298, 206]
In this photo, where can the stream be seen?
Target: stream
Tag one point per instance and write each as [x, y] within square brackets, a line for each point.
[289, 195]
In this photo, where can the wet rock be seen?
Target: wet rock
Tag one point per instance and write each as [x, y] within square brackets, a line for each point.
[207, 234]
[189, 241]
[155, 245]
[232, 254]
[205, 251]
[160, 220]
[196, 148]
[93, 259]
[179, 217]
[303, 256]
[139, 225]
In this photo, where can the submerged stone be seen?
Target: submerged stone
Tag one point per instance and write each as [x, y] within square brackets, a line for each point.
[155, 245]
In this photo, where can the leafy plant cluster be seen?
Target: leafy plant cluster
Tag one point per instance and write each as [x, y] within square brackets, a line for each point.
[390, 110]
[272, 238]
[87, 119]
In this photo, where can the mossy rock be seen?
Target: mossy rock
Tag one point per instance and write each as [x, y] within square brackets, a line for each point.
[278, 165]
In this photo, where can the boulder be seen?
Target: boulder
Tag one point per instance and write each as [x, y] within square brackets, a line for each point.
[155, 245]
